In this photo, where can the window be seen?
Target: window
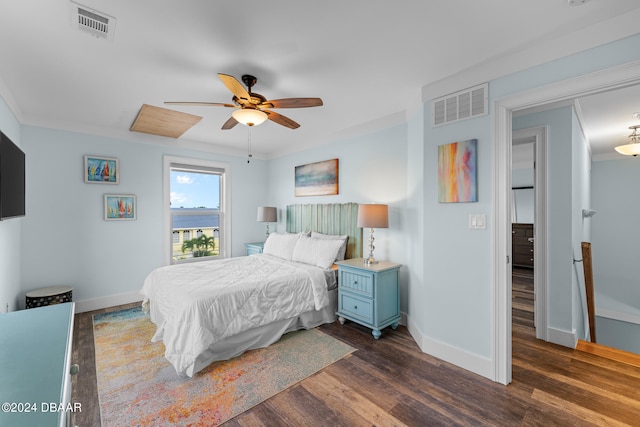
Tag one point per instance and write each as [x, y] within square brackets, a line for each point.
[176, 237]
[195, 192]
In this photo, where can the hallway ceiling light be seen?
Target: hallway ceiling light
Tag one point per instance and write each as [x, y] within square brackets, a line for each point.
[633, 148]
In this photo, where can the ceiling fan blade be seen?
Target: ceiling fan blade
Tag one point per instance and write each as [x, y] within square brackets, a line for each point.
[281, 120]
[203, 104]
[235, 87]
[229, 123]
[292, 103]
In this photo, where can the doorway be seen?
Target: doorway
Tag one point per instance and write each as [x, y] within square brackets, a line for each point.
[522, 232]
[625, 75]
[528, 218]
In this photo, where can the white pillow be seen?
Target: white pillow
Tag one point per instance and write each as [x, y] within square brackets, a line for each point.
[320, 252]
[303, 233]
[343, 248]
[281, 245]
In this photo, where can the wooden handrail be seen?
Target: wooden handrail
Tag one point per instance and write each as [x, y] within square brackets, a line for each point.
[588, 283]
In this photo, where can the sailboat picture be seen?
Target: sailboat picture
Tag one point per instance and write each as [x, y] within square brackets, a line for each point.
[119, 206]
[103, 170]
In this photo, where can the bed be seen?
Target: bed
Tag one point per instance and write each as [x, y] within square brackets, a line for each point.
[216, 310]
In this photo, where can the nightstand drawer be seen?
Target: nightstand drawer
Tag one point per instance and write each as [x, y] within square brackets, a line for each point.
[356, 307]
[356, 282]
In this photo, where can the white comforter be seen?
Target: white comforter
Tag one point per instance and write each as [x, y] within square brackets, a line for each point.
[202, 303]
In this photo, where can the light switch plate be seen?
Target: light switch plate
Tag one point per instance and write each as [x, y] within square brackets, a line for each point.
[477, 221]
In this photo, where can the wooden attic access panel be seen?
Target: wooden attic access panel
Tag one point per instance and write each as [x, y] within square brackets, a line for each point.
[163, 122]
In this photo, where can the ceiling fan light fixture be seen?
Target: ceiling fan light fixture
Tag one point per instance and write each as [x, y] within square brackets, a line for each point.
[633, 148]
[249, 116]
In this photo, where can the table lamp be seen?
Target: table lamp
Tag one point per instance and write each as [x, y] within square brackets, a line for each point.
[372, 216]
[267, 214]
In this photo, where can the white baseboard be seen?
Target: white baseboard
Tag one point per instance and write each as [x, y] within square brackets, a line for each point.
[564, 338]
[403, 318]
[108, 301]
[472, 362]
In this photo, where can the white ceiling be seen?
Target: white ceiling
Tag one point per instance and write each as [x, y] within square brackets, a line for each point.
[369, 60]
[606, 118]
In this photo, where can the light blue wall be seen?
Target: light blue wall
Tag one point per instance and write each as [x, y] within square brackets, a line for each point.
[616, 270]
[416, 241]
[372, 169]
[65, 239]
[615, 195]
[617, 334]
[457, 260]
[10, 259]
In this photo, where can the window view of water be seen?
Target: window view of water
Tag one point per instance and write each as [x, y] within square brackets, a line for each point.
[195, 213]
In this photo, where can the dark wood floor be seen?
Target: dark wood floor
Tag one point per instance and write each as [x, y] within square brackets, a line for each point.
[523, 297]
[390, 382]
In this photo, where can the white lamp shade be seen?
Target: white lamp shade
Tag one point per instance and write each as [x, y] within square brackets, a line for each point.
[632, 149]
[373, 216]
[267, 214]
[249, 116]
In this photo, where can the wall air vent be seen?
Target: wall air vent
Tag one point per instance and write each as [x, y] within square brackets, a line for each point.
[472, 102]
[91, 21]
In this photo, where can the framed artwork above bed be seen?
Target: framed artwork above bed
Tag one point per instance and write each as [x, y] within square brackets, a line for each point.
[317, 179]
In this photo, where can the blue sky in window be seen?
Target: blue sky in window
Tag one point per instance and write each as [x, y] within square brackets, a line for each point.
[194, 190]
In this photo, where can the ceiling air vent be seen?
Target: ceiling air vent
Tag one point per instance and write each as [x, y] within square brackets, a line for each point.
[462, 105]
[91, 21]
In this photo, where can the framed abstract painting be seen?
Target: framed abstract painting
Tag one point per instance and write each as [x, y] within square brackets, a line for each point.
[457, 175]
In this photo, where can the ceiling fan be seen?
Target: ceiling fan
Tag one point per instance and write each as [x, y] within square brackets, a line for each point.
[253, 108]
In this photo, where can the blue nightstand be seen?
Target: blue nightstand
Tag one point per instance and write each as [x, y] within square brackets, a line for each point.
[254, 248]
[369, 294]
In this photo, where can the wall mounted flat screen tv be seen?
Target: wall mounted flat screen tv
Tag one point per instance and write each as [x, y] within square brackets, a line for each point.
[12, 178]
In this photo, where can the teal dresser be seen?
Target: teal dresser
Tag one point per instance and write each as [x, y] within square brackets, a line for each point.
[35, 366]
[254, 248]
[369, 294]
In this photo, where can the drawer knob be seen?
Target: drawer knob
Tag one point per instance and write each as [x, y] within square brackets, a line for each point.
[355, 307]
[74, 369]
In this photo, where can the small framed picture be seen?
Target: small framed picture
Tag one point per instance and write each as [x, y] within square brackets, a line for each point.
[101, 170]
[120, 207]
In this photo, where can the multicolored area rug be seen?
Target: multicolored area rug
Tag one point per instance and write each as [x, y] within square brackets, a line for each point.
[137, 386]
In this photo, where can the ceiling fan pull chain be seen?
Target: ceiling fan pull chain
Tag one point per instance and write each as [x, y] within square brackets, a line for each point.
[249, 147]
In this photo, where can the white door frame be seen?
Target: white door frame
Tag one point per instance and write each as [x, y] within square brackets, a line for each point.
[599, 81]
